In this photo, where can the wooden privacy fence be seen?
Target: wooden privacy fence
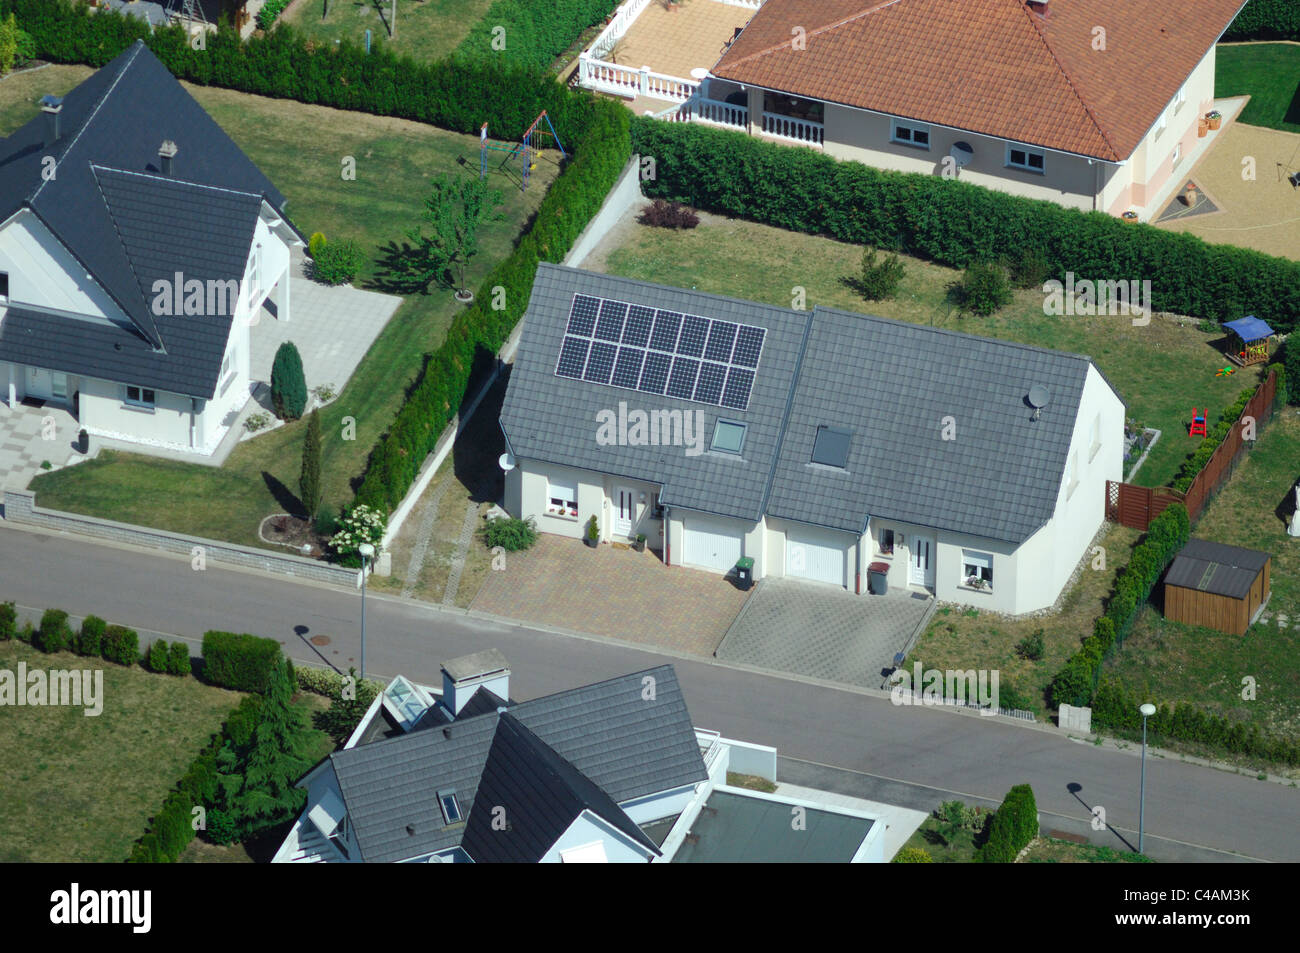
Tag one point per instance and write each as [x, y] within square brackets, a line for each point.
[1137, 506]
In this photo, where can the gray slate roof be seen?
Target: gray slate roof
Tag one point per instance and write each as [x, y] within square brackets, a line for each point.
[110, 206]
[892, 383]
[553, 419]
[538, 794]
[889, 382]
[626, 746]
[1216, 568]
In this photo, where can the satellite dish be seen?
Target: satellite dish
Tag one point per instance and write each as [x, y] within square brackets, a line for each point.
[1038, 396]
[961, 153]
[506, 461]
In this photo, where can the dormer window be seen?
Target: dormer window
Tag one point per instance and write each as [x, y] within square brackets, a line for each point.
[450, 807]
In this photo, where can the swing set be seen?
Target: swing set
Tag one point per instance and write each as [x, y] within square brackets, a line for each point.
[525, 148]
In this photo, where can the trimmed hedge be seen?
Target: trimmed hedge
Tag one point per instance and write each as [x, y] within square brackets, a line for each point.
[1210, 443]
[178, 659]
[8, 621]
[54, 633]
[121, 645]
[535, 33]
[173, 826]
[1077, 680]
[159, 654]
[1013, 826]
[239, 660]
[1116, 709]
[1266, 20]
[90, 641]
[955, 223]
[327, 682]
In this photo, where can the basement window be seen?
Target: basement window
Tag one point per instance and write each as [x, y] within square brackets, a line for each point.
[977, 569]
[1031, 160]
[450, 806]
[728, 436]
[142, 397]
[911, 134]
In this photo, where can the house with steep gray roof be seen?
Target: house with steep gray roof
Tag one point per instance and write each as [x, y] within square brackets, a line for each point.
[822, 445]
[138, 244]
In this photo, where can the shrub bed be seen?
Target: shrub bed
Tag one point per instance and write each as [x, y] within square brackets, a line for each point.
[54, 633]
[239, 660]
[8, 621]
[121, 645]
[90, 641]
[955, 223]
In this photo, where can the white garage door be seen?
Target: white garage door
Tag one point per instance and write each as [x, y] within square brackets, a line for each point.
[710, 545]
[817, 561]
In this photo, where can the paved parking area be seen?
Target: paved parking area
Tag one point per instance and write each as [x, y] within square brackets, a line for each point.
[26, 441]
[821, 632]
[612, 591]
[332, 327]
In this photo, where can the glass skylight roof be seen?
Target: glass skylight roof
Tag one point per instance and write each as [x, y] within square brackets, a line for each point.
[660, 352]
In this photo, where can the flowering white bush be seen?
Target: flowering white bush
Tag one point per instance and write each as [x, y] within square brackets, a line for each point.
[361, 525]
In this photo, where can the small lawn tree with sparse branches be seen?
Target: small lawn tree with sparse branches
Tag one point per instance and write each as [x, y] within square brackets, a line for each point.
[454, 211]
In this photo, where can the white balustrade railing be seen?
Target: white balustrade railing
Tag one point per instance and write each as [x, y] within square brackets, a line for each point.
[632, 82]
[795, 130]
[708, 110]
[617, 26]
[747, 4]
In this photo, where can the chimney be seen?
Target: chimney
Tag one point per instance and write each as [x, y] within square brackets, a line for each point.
[1040, 7]
[166, 153]
[51, 105]
[462, 677]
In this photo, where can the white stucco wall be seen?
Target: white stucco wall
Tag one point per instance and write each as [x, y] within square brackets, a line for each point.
[44, 273]
[527, 496]
[588, 828]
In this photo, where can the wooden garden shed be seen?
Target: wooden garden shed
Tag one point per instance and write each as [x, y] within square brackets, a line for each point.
[1217, 586]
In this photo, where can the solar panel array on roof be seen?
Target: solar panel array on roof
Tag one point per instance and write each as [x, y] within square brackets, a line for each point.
[660, 352]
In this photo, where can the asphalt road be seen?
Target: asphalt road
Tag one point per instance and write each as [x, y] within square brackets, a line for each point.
[914, 756]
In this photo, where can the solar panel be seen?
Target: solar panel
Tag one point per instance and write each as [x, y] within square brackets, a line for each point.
[609, 326]
[637, 330]
[667, 324]
[659, 352]
[749, 344]
[573, 356]
[722, 335]
[694, 332]
[682, 382]
[582, 316]
[655, 373]
[627, 369]
[601, 363]
[739, 384]
[709, 387]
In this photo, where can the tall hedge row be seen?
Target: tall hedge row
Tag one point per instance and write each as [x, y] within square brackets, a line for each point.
[1266, 20]
[955, 223]
[1013, 826]
[1077, 680]
[532, 33]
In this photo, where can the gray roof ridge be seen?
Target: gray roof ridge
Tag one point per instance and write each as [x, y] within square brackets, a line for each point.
[134, 49]
[372, 746]
[604, 681]
[150, 332]
[173, 180]
[795, 377]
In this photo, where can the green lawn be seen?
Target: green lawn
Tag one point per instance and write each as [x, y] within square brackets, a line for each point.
[1161, 370]
[1267, 72]
[1172, 662]
[300, 148]
[426, 29]
[82, 789]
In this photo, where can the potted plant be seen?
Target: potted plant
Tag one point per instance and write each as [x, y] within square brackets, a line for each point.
[1214, 118]
[592, 536]
[83, 442]
[1130, 216]
[1202, 128]
[639, 545]
[1189, 196]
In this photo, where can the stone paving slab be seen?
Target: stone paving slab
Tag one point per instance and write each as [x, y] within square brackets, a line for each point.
[615, 592]
[23, 446]
[822, 632]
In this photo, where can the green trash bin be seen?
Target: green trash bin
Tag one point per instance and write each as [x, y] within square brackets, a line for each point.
[744, 572]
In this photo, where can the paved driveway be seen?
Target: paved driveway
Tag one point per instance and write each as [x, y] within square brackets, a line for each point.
[822, 632]
[613, 591]
[24, 444]
[332, 327]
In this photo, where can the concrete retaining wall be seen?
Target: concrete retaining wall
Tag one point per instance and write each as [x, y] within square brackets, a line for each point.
[625, 193]
[20, 507]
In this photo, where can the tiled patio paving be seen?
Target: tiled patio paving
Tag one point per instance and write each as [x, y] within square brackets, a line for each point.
[614, 592]
[23, 446]
[821, 632]
[673, 42]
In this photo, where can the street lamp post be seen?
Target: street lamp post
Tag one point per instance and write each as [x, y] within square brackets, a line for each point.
[1147, 711]
[367, 551]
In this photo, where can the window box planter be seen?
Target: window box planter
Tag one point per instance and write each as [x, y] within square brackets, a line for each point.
[1130, 216]
[975, 584]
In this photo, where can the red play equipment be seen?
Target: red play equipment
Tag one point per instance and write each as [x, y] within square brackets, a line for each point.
[1198, 423]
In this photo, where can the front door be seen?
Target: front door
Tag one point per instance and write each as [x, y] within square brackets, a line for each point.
[624, 511]
[39, 383]
[922, 565]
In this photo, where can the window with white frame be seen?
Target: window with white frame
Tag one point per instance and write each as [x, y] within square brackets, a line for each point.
[1031, 160]
[1178, 152]
[976, 569]
[1095, 445]
[562, 497]
[1162, 122]
[1180, 97]
[1072, 474]
[885, 542]
[139, 397]
[4, 286]
[911, 134]
[450, 806]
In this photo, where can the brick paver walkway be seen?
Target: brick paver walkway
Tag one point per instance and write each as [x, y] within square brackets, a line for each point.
[822, 632]
[615, 592]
